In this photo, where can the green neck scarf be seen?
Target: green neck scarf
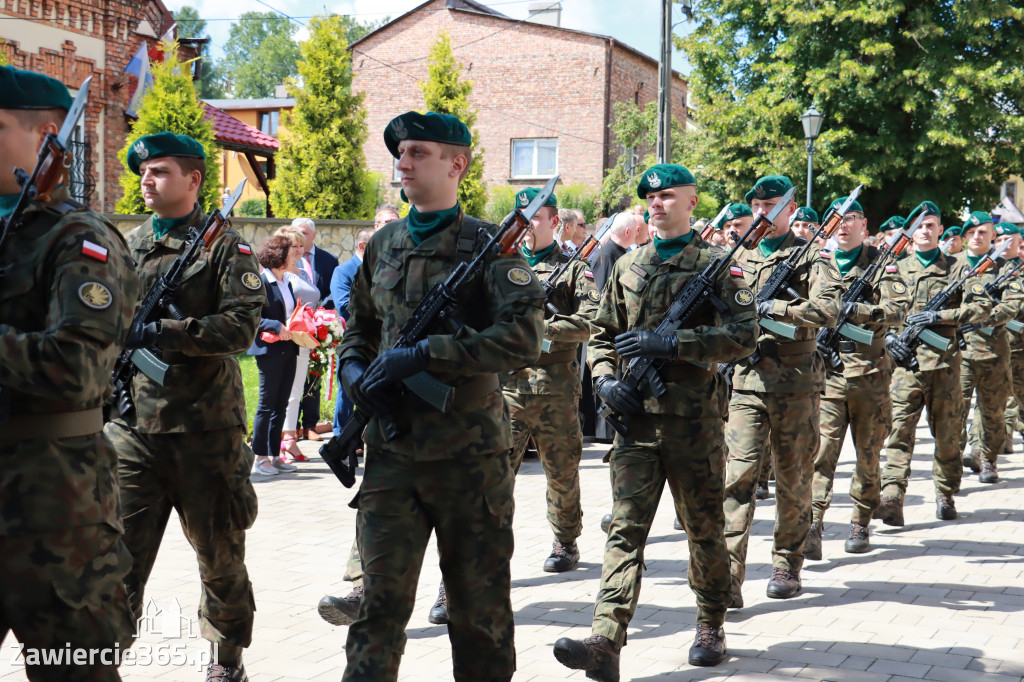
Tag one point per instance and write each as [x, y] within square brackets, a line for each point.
[845, 259]
[928, 257]
[162, 226]
[534, 258]
[7, 204]
[974, 260]
[667, 248]
[769, 246]
[423, 226]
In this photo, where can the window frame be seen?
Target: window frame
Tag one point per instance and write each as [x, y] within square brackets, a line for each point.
[534, 173]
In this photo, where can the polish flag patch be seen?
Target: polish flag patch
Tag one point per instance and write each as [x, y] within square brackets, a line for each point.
[588, 273]
[245, 248]
[735, 271]
[94, 251]
[825, 254]
[891, 268]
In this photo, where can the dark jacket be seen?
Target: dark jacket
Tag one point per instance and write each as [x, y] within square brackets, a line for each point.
[341, 284]
[272, 319]
[324, 263]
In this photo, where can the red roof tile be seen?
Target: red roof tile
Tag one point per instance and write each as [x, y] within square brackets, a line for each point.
[227, 128]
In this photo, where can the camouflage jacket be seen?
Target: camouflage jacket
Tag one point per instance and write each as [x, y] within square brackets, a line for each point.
[924, 283]
[638, 294]
[576, 298]
[991, 340]
[66, 302]
[221, 296]
[885, 306]
[503, 323]
[819, 287]
[1016, 338]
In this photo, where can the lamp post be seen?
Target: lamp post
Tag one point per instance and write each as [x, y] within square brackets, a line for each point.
[663, 146]
[811, 120]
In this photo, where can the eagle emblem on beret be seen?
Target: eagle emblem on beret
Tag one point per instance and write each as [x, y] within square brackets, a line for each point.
[974, 220]
[141, 150]
[399, 129]
[524, 200]
[728, 215]
[759, 191]
[654, 181]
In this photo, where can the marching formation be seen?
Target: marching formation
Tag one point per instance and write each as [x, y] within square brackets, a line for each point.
[716, 355]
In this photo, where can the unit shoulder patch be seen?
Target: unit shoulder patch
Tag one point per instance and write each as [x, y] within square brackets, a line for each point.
[744, 297]
[251, 280]
[898, 288]
[95, 295]
[519, 277]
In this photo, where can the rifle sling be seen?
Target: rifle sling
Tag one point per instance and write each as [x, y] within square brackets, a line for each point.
[52, 426]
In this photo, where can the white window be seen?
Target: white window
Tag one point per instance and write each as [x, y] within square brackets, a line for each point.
[268, 122]
[1010, 191]
[536, 158]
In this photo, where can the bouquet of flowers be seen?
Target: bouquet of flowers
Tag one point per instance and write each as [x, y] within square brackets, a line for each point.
[329, 330]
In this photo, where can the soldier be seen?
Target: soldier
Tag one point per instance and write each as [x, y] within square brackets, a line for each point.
[67, 292]
[542, 397]
[775, 401]
[856, 395]
[951, 242]
[891, 226]
[446, 473]
[935, 385]
[805, 222]
[737, 219]
[676, 438]
[1008, 232]
[986, 359]
[183, 446]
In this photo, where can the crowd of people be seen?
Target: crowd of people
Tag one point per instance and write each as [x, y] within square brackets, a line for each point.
[701, 397]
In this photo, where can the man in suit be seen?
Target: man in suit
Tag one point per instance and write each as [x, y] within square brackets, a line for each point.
[319, 267]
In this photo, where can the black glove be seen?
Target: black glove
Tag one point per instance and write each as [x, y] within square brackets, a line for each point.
[924, 318]
[764, 308]
[897, 348]
[393, 365]
[143, 335]
[848, 309]
[648, 344]
[622, 397]
[351, 373]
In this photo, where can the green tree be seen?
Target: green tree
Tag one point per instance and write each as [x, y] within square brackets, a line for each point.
[355, 29]
[922, 100]
[170, 105]
[321, 170]
[210, 84]
[260, 53]
[445, 93]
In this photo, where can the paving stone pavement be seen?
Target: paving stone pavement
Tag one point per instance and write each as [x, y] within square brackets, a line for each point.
[932, 600]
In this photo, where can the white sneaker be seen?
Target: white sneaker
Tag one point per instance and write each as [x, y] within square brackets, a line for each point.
[284, 466]
[265, 468]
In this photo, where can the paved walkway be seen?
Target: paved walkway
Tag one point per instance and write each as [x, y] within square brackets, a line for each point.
[932, 601]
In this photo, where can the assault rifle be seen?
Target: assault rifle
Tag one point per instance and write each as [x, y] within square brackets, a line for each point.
[437, 308]
[859, 290]
[643, 373]
[158, 303]
[915, 334]
[50, 169]
[582, 253]
[995, 292]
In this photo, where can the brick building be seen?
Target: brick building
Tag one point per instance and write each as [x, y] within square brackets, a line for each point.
[543, 94]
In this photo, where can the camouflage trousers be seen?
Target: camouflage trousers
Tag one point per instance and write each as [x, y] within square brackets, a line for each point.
[687, 454]
[65, 589]
[1013, 404]
[863, 404]
[204, 477]
[990, 379]
[939, 391]
[554, 423]
[469, 504]
[785, 427]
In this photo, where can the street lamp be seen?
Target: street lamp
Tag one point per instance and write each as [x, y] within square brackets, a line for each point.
[812, 120]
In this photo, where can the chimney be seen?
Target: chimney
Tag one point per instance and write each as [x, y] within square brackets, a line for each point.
[280, 90]
[548, 12]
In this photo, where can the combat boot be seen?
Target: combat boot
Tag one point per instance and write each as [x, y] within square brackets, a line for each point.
[341, 610]
[812, 543]
[890, 511]
[439, 611]
[564, 557]
[761, 491]
[678, 525]
[735, 593]
[858, 542]
[784, 584]
[598, 655]
[945, 508]
[606, 523]
[988, 472]
[972, 462]
[708, 646]
[226, 673]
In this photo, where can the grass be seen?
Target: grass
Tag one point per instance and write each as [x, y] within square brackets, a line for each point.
[251, 384]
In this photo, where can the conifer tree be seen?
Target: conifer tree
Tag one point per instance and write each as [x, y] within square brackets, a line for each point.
[446, 94]
[321, 169]
[171, 105]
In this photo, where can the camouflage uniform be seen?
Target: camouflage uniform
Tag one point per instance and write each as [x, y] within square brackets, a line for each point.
[858, 397]
[936, 385]
[986, 368]
[774, 408]
[184, 445]
[1016, 342]
[63, 316]
[542, 398]
[678, 437]
[446, 473]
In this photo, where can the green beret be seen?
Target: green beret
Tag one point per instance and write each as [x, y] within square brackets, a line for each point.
[161, 145]
[924, 208]
[951, 232]
[662, 176]
[806, 214]
[976, 218]
[896, 222]
[30, 90]
[855, 206]
[524, 197]
[769, 187]
[1007, 228]
[430, 127]
[736, 211]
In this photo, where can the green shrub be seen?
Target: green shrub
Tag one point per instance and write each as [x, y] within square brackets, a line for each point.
[503, 200]
[252, 208]
[579, 196]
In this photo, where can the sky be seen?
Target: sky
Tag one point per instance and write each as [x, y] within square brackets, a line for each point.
[636, 23]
